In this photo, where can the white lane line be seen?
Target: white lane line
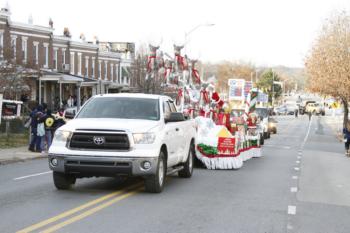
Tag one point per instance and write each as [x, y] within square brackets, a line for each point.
[32, 175]
[294, 189]
[292, 209]
[297, 161]
[294, 177]
[307, 134]
[278, 147]
[299, 152]
[296, 168]
[299, 157]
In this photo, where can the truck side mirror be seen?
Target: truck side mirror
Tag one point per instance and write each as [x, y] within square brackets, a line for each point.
[175, 117]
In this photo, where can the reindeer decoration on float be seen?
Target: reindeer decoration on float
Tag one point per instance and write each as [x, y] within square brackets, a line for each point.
[193, 94]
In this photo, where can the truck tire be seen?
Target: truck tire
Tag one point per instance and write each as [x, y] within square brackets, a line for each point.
[63, 181]
[187, 171]
[155, 184]
[275, 131]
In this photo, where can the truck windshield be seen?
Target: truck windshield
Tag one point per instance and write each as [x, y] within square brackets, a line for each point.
[121, 107]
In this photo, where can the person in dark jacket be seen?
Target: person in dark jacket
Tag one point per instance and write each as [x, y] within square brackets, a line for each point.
[35, 143]
[346, 132]
[49, 122]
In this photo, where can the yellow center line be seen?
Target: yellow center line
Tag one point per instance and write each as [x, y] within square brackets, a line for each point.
[90, 211]
[73, 211]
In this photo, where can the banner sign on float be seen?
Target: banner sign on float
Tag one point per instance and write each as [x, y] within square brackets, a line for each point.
[236, 91]
[248, 85]
[226, 146]
[262, 97]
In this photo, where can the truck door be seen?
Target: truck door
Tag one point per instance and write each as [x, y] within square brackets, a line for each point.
[171, 136]
[180, 134]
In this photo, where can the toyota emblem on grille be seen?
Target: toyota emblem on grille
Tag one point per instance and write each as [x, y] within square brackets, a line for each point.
[98, 140]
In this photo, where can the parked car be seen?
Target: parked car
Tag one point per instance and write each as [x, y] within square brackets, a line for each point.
[281, 110]
[291, 109]
[124, 134]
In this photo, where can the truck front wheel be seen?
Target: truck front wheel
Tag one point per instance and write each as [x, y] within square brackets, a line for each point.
[63, 181]
[155, 184]
[187, 171]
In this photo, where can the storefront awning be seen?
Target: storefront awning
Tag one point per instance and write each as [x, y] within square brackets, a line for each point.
[70, 79]
[50, 78]
[59, 77]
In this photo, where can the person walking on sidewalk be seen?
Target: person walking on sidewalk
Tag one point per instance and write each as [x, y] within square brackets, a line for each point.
[346, 132]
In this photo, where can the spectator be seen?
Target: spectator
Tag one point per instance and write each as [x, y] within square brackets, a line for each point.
[48, 121]
[346, 132]
[59, 120]
[70, 101]
[35, 142]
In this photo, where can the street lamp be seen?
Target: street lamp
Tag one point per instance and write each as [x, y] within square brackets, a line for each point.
[194, 29]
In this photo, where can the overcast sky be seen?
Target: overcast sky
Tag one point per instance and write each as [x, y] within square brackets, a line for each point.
[263, 32]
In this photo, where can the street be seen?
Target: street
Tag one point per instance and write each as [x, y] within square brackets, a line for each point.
[295, 187]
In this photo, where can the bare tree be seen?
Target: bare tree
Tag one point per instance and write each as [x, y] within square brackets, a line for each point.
[328, 64]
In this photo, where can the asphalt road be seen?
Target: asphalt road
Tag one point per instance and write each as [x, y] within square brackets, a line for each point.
[275, 193]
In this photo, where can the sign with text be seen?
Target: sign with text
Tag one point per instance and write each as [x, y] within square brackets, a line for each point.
[262, 97]
[248, 85]
[236, 89]
[226, 146]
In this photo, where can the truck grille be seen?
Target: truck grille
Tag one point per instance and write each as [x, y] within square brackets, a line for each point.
[99, 141]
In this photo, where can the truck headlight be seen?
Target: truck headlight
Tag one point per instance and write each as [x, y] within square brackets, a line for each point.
[144, 138]
[62, 135]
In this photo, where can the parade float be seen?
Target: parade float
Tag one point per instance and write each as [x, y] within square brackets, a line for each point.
[224, 140]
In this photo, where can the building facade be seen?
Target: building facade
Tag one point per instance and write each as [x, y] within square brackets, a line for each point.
[61, 67]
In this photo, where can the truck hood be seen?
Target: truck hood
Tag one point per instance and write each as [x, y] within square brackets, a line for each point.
[133, 125]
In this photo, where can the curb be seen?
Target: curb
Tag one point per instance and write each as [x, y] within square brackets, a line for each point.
[18, 159]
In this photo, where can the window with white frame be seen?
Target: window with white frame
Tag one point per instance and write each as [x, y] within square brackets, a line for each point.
[72, 62]
[14, 45]
[86, 66]
[93, 67]
[112, 78]
[46, 62]
[99, 69]
[63, 56]
[79, 63]
[24, 49]
[36, 52]
[106, 70]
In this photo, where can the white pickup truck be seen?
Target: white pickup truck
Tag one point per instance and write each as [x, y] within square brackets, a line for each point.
[124, 134]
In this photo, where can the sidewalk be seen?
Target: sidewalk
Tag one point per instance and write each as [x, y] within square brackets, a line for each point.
[18, 154]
